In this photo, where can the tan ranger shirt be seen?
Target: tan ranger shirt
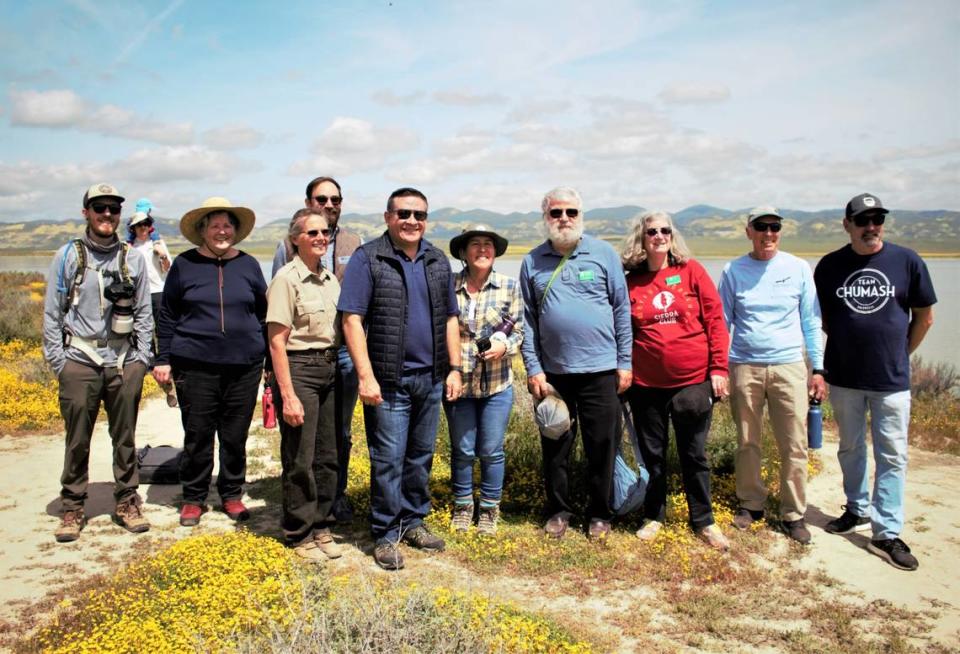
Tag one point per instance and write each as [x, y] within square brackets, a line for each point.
[306, 302]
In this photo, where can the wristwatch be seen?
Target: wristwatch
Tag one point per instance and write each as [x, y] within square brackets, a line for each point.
[818, 371]
[457, 369]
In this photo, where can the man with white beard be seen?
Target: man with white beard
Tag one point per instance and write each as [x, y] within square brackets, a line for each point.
[577, 309]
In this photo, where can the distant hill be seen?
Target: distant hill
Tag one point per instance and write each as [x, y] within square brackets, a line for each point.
[708, 229]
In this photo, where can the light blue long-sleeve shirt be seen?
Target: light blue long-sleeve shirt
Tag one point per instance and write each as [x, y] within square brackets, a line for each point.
[772, 309]
[583, 324]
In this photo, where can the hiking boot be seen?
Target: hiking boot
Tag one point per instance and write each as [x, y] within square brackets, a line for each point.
[343, 510]
[797, 530]
[190, 514]
[129, 516]
[557, 525]
[712, 536]
[324, 540]
[235, 510]
[462, 517]
[487, 521]
[421, 538]
[895, 552]
[599, 529]
[649, 530]
[743, 518]
[70, 525]
[848, 523]
[310, 551]
[388, 556]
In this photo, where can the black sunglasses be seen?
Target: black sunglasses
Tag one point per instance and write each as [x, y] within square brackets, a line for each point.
[335, 200]
[101, 207]
[404, 214]
[773, 227]
[314, 233]
[571, 213]
[665, 231]
[144, 223]
[875, 218]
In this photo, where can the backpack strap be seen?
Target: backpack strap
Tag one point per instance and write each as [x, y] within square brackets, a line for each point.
[78, 274]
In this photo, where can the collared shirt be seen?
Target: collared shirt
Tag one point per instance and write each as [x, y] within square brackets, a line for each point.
[306, 302]
[582, 324]
[479, 318]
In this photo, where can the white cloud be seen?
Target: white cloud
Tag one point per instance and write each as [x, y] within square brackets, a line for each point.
[950, 147]
[464, 143]
[467, 99]
[58, 108]
[232, 137]
[535, 109]
[388, 98]
[182, 163]
[350, 145]
[694, 93]
[64, 109]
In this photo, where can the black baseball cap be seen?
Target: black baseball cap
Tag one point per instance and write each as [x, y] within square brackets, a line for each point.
[864, 203]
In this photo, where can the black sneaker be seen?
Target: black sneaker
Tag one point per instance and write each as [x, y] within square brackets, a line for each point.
[421, 538]
[847, 523]
[743, 518]
[797, 530]
[388, 556]
[895, 552]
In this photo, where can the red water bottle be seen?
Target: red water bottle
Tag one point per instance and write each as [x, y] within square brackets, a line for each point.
[269, 410]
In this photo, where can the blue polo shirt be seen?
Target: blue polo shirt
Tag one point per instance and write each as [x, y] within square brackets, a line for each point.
[583, 323]
[356, 291]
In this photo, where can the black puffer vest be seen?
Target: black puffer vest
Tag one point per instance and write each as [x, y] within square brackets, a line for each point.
[387, 314]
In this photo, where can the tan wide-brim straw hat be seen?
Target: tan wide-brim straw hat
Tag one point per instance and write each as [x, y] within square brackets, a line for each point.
[188, 224]
[458, 243]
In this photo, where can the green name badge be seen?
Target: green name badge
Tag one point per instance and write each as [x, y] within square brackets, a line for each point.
[673, 280]
[586, 275]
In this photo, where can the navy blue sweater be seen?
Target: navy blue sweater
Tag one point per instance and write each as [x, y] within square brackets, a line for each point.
[194, 322]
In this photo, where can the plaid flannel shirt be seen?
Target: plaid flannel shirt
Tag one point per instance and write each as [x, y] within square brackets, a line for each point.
[499, 295]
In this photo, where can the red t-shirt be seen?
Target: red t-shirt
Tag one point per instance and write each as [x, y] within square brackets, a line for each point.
[679, 337]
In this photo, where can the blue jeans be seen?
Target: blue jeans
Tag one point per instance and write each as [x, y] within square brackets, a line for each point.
[401, 435]
[347, 385]
[477, 426]
[889, 421]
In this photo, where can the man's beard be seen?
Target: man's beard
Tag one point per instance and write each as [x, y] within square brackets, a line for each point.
[565, 238]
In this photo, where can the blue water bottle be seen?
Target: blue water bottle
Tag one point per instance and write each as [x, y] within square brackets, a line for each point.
[814, 425]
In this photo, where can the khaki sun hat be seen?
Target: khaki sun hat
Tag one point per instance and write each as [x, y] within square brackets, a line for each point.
[458, 243]
[188, 224]
[101, 191]
[138, 217]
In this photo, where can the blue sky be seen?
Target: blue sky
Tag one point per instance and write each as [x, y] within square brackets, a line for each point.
[479, 104]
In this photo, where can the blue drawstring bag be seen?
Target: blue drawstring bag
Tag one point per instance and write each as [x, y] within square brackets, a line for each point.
[629, 484]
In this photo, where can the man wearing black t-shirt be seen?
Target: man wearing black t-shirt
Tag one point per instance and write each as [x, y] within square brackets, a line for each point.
[877, 304]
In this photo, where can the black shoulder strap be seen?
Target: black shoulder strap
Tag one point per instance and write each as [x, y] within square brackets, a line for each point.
[78, 273]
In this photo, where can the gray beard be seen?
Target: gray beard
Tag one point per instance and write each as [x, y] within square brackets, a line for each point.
[564, 239]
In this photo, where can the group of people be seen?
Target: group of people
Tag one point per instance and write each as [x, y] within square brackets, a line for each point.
[389, 321]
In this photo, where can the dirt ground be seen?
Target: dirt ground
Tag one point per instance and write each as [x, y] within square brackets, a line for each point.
[32, 564]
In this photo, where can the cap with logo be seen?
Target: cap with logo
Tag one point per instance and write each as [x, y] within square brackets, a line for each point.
[552, 415]
[763, 212]
[864, 203]
[101, 191]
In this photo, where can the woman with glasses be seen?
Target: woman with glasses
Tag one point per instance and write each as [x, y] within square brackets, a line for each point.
[304, 335]
[141, 236]
[491, 310]
[212, 344]
[679, 367]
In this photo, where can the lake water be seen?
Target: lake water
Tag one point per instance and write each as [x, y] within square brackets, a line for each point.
[939, 345]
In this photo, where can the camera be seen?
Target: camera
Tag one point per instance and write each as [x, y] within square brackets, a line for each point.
[505, 327]
[120, 294]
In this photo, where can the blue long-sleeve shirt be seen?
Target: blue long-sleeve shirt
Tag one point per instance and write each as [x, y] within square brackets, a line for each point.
[583, 323]
[772, 309]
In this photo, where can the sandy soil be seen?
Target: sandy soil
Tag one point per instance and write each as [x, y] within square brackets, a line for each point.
[32, 564]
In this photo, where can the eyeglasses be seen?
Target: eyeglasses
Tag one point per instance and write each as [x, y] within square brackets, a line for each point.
[404, 214]
[762, 227]
[665, 231]
[875, 218]
[571, 213]
[145, 223]
[101, 207]
[335, 200]
[314, 233]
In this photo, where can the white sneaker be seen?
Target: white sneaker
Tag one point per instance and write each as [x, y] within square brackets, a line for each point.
[712, 536]
[649, 530]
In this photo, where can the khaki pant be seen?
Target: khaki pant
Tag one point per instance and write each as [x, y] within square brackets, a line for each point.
[784, 388]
